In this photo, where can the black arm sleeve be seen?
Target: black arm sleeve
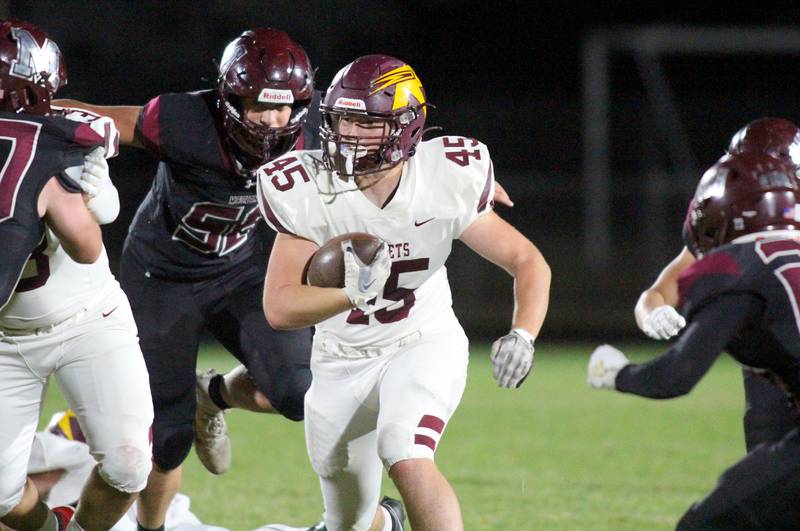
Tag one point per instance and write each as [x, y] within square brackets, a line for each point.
[676, 372]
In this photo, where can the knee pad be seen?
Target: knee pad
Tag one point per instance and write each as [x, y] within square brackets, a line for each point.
[171, 445]
[126, 468]
[396, 443]
[288, 401]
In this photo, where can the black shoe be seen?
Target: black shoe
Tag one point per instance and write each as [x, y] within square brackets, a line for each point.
[396, 512]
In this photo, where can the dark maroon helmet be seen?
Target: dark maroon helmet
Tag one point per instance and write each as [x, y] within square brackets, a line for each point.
[777, 137]
[742, 194]
[266, 65]
[381, 91]
[31, 68]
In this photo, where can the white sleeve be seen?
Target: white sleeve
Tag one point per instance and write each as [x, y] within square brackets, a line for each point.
[285, 191]
[269, 214]
[475, 187]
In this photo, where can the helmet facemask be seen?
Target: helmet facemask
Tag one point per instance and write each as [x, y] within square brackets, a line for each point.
[258, 143]
[351, 155]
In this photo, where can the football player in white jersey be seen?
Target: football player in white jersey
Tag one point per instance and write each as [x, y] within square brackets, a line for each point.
[389, 359]
[73, 321]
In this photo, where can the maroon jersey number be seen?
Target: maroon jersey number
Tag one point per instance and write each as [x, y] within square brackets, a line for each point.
[41, 263]
[392, 292]
[17, 147]
[462, 155]
[284, 171]
[217, 229]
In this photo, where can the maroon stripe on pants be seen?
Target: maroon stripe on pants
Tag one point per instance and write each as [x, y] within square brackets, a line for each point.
[425, 441]
[434, 423]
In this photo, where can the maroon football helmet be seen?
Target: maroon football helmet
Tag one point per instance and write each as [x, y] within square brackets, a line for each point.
[741, 194]
[31, 68]
[266, 65]
[777, 137]
[375, 91]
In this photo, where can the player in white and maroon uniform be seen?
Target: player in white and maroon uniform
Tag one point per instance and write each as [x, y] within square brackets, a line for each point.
[389, 361]
[73, 321]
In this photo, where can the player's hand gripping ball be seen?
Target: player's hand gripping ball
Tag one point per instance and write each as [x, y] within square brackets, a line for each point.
[357, 262]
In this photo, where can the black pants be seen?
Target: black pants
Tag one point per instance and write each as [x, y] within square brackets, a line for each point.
[171, 317]
[768, 416]
[762, 491]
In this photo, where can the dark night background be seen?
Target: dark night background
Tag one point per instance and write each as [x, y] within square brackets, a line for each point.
[507, 73]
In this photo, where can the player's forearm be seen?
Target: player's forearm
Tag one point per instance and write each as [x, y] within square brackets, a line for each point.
[124, 117]
[531, 293]
[664, 290]
[298, 306]
[649, 300]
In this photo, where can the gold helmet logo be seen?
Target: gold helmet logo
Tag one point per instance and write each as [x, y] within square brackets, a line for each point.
[407, 84]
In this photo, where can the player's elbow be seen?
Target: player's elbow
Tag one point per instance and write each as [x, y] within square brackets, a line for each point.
[86, 251]
[277, 317]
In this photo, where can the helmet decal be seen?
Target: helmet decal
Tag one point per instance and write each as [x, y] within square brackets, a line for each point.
[33, 60]
[277, 96]
[408, 84]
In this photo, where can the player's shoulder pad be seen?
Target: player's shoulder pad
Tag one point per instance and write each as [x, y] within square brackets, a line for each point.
[707, 279]
[462, 165]
[287, 189]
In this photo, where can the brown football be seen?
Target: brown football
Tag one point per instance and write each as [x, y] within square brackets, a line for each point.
[325, 269]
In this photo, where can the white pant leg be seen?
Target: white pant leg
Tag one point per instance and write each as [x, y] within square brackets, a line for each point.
[20, 404]
[103, 377]
[340, 415]
[421, 388]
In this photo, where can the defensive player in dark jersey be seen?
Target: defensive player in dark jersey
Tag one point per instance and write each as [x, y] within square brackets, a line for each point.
[36, 150]
[191, 261]
[767, 416]
[740, 296]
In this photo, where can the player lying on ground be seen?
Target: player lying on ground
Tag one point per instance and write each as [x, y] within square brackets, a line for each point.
[740, 296]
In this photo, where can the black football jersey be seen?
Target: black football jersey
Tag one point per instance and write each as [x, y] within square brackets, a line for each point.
[198, 219]
[33, 149]
[768, 270]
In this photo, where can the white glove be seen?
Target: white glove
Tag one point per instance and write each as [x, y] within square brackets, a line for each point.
[605, 363]
[363, 282]
[512, 358]
[663, 322]
[96, 183]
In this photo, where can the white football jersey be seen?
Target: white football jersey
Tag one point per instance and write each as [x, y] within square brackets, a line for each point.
[444, 187]
[53, 287]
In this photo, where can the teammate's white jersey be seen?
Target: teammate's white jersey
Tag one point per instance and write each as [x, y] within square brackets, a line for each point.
[53, 287]
[444, 187]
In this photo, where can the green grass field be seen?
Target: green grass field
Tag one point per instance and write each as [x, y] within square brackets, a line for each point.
[554, 454]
